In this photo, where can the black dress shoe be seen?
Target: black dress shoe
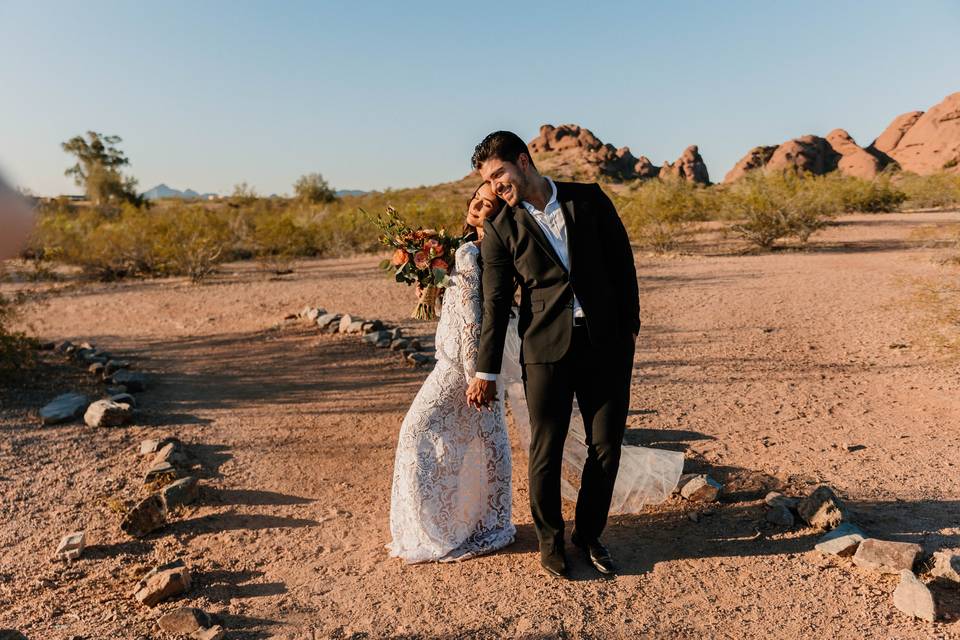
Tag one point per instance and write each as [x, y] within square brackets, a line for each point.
[599, 555]
[553, 560]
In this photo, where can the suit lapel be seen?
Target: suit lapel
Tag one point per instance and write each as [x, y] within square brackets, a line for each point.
[524, 217]
[570, 221]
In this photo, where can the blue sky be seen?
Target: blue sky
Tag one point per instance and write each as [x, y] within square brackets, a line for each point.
[387, 94]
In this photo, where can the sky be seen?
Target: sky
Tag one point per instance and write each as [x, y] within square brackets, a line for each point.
[378, 95]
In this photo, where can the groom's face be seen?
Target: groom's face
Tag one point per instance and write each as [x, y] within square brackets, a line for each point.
[506, 179]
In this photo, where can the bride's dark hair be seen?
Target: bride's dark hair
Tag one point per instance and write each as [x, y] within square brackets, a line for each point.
[469, 231]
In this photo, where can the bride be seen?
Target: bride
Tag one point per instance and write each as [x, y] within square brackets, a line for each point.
[451, 496]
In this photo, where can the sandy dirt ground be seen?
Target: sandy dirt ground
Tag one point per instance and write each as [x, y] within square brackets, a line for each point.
[779, 370]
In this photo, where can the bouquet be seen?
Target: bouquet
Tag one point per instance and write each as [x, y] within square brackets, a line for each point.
[420, 256]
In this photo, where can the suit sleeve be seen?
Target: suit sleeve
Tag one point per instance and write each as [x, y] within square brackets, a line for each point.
[498, 278]
[621, 254]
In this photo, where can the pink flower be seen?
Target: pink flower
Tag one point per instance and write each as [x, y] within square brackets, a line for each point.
[400, 258]
[421, 259]
[439, 263]
[433, 247]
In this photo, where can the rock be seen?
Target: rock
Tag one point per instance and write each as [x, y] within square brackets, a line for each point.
[180, 493]
[310, 314]
[822, 509]
[329, 322]
[886, 556]
[756, 158]
[396, 333]
[345, 321]
[72, 545]
[64, 408]
[398, 344]
[376, 336]
[65, 347]
[355, 327]
[384, 343]
[97, 369]
[116, 389]
[932, 143]
[124, 398]
[91, 356]
[806, 153]
[372, 325]
[777, 499]
[946, 565]
[689, 166]
[415, 345]
[149, 515]
[172, 453]
[913, 598]
[842, 541]
[149, 446]
[418, 359]
[113, 366]
[701, 488]
[107, 413]
[162, 584]
[161, 472]
[134, 381]
[854, 161]
[185, 621]
[11, 634]
[215, 632]
[780, 515]
[893, 134]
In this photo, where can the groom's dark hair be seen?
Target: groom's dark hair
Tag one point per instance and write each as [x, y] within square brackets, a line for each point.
[500, 144]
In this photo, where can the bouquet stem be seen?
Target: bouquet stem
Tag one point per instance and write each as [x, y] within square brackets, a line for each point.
[427, 306]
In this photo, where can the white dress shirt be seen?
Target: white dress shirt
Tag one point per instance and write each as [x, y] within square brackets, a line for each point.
[554, 226]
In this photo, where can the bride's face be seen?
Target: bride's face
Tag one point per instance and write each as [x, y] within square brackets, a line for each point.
[484, 205]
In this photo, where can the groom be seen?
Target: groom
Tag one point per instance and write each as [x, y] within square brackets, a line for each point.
[565, 246]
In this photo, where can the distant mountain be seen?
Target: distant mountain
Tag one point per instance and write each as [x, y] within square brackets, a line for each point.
[351, 192]
[163, 191]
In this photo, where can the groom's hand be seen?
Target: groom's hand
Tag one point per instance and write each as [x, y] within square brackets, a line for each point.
[480, 393]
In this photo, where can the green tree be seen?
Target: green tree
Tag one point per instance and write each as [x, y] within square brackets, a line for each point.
[98, 169]
[313, 189]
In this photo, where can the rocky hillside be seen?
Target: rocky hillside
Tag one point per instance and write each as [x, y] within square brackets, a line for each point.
[920, 142]
[571, 152]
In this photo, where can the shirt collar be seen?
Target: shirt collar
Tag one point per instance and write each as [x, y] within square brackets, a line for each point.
[553, 199]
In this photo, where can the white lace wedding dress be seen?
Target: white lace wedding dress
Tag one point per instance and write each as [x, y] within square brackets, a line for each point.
[451, 496]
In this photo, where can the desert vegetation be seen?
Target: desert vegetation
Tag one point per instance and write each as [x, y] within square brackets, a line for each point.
[115, 234]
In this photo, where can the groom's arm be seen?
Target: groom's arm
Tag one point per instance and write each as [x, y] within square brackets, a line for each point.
[498, 281]
[624, 270]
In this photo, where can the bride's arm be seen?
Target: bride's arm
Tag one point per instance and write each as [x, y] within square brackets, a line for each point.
[471, 304]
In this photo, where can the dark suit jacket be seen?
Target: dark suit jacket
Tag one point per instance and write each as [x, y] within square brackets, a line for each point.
[515, 251]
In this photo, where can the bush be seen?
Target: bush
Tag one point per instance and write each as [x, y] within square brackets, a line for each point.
[16, 349]
[659, 214]
[779, 205]
[190, 241]
[930, 192]
[865, 196]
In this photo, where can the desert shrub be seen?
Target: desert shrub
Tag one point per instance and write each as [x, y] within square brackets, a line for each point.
[932, 191]
[312, 188]
[190, 241]
[16, 349]
[278, 238]
[659, 214]
[780, 205]
[863, 196]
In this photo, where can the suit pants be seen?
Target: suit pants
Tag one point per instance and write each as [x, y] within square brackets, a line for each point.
[600, 379]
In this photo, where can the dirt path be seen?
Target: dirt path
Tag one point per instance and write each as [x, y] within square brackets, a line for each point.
[766, 370]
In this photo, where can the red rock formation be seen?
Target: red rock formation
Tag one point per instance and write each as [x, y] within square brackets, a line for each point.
[932, 143]
[891, 136]
[806, 153]
[756, 158]
[572, 152]
[689, 166]
[854, 161]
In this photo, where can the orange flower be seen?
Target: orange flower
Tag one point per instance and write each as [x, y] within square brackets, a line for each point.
[400, 258]
[421, 260]
[433, 247]
[439, 263]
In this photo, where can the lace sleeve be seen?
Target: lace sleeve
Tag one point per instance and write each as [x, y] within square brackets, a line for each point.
[471, 304]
